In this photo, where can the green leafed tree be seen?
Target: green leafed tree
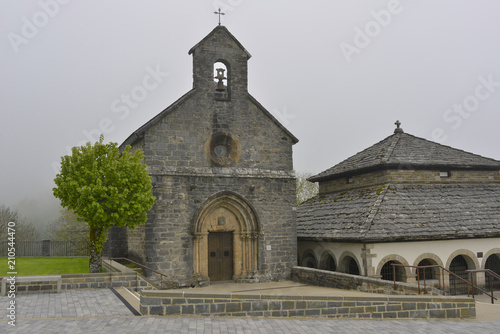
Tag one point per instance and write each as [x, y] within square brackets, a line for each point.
[305, 189]
[104, 188]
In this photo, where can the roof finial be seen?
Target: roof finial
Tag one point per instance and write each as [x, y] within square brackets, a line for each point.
[220, 13]
[398, 129]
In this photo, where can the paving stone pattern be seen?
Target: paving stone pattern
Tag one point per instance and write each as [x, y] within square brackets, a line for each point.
[245, 325]
[69, 303]
[100, 311]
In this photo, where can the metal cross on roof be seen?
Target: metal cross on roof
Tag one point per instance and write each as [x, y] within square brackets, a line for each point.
[398, 129]
[220, 13]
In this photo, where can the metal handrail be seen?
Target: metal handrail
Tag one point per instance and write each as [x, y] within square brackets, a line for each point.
[442, 275]
[142, 266]
[489, 272]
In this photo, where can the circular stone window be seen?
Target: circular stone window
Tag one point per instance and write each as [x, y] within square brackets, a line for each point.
[220, 151]
[223, 150]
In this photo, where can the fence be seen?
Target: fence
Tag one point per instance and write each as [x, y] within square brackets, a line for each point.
[47, 248]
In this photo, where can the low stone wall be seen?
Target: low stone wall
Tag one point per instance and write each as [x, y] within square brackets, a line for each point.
[116, 276]
[333, 279]
[187, 303]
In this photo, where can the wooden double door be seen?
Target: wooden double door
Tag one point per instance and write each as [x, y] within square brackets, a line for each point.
[220, 256]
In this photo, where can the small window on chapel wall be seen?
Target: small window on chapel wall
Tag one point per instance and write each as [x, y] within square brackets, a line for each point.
[220, 81]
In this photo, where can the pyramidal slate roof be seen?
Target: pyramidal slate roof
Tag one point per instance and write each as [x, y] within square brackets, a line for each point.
[402, 150]
[402, 212]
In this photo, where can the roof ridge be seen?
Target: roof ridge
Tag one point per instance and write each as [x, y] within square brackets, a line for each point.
[453, 148]
[220, 27]
[136, 135]
[375, 208]
[295, 140]
[391, 148]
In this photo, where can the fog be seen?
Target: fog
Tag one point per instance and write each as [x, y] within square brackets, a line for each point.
[337, 74]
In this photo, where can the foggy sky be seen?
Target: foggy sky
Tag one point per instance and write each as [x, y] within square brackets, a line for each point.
[337, 74]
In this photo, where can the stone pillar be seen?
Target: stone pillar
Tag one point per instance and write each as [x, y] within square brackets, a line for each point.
[366, 259]
[200, 263]
[244, 250]
[253, 247]
[480, 280]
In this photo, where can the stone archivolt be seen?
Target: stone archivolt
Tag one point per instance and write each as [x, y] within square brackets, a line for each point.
[241, 220]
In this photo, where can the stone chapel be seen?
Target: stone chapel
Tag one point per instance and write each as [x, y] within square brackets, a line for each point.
[406, 201]
[222, 173]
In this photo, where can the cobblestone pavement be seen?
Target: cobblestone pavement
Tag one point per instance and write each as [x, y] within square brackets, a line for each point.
[100, 311]
[230, 325]
[69, 303]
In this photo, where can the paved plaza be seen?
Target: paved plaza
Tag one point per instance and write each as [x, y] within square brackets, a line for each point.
[101, 311]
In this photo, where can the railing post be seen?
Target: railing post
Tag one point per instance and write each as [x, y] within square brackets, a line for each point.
[418, 279]
[394, 275]
[472, 280]
[491, 289]
[425, 284]
[444, 285]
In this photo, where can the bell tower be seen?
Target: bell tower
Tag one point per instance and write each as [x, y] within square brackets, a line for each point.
[220, 65]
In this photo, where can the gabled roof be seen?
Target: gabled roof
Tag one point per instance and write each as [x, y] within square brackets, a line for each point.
[139, 133]
[275, 121]
[217, 29]
[403, 212]
[402, 150]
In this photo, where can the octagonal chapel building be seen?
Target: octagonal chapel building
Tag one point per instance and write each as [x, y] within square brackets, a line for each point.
[222, 174]
[404, 200]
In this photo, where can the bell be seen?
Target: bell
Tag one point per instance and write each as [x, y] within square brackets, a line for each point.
[220, 76]
[220, 86]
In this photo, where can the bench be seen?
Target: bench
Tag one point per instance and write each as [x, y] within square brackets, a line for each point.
[47, 278]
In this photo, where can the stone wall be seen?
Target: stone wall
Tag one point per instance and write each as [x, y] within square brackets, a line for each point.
[170, 228]
[404, 175]
[117, 276]
[117, 243]
[333, 279]
[252, 305]
[86, 281]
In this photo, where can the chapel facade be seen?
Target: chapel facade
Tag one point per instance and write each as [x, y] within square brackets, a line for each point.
[222, 174]
[406, 201]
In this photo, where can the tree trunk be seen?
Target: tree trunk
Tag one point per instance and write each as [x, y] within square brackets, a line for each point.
[95, 263]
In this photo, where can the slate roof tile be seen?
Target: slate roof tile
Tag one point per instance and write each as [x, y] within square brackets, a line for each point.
[403, 212]
[402, 150]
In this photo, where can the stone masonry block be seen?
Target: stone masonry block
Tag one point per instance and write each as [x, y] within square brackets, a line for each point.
[437, 314]
[156, 310]
[274, 305]
[233, 307]
[187, 309]
[452, 313]
[201, 308]
[260, 306]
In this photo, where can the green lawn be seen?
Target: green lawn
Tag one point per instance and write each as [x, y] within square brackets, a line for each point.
[27, 266]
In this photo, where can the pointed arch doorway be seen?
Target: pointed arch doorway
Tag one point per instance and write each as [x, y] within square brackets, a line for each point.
[225, 239]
